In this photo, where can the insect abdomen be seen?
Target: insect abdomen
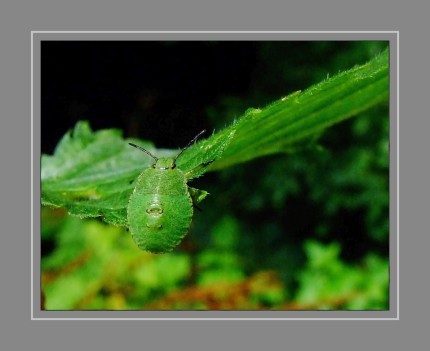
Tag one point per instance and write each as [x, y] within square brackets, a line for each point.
[160, 210]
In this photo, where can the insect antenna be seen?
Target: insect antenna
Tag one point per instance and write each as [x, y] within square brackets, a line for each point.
[146, 151]
[188, 145]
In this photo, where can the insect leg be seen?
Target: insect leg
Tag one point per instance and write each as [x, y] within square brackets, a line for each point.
[198, 208]
[192, 172]
[197, 195]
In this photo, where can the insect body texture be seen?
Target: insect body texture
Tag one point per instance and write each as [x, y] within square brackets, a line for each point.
[160, 208]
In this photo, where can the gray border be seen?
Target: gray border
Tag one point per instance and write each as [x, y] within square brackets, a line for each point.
[391, 314]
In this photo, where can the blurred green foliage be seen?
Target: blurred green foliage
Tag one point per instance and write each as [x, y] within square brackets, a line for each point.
[326, 281]
[307, 230]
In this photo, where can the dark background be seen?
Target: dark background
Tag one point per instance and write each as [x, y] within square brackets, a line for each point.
[162, 91]
[153, 90]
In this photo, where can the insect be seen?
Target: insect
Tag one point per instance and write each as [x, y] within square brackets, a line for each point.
[160, 208]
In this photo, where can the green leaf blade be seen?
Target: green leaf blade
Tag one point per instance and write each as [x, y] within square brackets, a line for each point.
[93, 174]
[300, 115]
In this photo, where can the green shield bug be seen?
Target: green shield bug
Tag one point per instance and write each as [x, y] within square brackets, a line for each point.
[160, 208]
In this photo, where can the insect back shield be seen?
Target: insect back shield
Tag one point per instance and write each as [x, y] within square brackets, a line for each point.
[160, 208]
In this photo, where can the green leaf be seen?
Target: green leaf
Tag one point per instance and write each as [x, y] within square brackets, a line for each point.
[326, 280]
[92, 173]
[302, 116]
[209, 150]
